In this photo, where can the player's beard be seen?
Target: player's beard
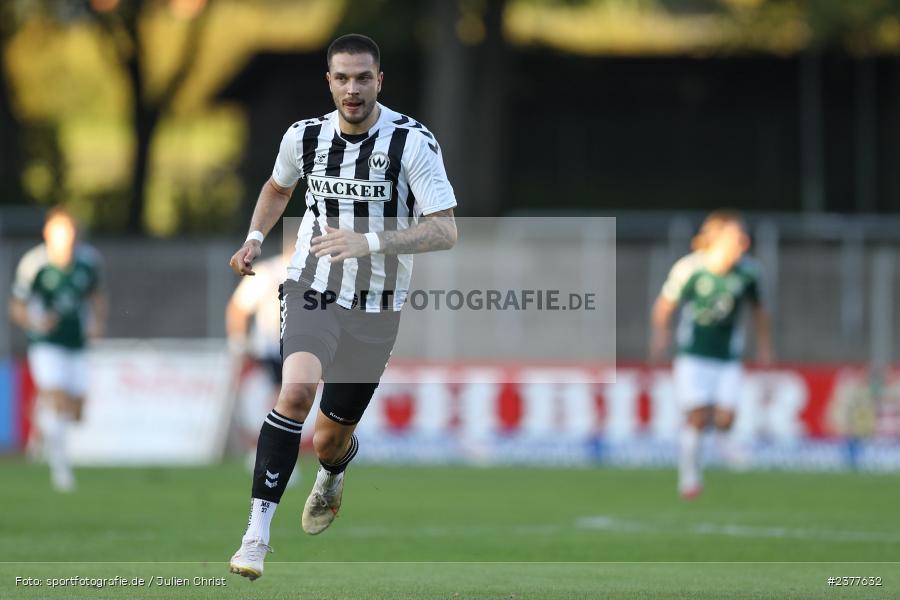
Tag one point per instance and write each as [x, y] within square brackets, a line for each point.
[363, 114]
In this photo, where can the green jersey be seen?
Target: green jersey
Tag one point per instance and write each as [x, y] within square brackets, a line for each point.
[47, 289]
[711, 306]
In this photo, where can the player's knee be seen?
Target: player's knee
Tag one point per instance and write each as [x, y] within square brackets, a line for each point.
[329, 445]
[295, 400]
[724, 421]
[75, 408]
[698, 419]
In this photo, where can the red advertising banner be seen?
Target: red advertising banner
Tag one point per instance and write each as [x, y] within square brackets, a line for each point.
[817, 401]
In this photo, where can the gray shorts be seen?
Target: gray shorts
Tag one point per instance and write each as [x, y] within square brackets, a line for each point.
[353, 346]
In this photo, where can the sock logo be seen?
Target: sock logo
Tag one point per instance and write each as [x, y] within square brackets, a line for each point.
[271, 479]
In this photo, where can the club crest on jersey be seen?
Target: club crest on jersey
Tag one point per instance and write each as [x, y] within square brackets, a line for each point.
[379, 161]
[321, 157]
[705, 286]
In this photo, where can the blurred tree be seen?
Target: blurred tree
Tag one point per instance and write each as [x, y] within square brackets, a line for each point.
[10, 157]
[121, 22]
[127, 91]
[863, 26]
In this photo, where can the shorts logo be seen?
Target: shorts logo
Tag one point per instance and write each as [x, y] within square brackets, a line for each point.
[336, 418]
[321, 157]
[379, 161]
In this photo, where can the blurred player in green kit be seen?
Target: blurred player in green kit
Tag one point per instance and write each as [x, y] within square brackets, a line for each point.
[57, 300]
[712, 286]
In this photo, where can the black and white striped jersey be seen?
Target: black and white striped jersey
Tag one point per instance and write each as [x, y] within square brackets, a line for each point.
[384, 182]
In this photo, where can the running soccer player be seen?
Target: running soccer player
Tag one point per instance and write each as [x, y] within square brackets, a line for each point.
[712, 285]
[57, 300]
[377, 192]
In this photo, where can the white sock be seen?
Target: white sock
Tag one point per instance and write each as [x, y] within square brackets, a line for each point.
[326, 480]
[689, 474]
[53, 430]
[261, 513]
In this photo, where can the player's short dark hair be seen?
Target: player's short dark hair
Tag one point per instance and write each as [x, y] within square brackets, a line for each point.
[354, 43]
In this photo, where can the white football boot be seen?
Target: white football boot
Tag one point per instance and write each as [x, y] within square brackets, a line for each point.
[322, 506]
[62, 478]
[248, 560]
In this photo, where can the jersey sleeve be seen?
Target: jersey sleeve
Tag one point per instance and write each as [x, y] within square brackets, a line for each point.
[26, 271]
[751, 289]
[674, 287]
[94, 261]
[428, 179]
[288, 168]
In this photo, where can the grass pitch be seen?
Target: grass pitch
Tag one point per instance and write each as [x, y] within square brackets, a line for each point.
[455, 533]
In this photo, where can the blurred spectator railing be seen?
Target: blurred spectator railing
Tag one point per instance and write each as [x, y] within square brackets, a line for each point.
[831, 282]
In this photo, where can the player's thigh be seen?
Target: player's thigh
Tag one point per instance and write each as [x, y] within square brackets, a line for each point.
[344, 403]
[723, 418]
[301, 368]
[729, 377]
[309, 336]
[78, 374]
[48, 364]
[700, 417]
[367, 341]
[76, 392]
[694, 382]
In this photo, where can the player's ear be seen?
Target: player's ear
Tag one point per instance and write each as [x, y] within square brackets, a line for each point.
[380, 80]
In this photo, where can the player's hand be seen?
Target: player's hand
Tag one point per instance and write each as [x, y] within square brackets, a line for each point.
[242, 261]
[45, 323]
[339, 244]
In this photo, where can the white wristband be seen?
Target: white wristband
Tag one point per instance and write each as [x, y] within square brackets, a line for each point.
[374, 241]
[257, 235]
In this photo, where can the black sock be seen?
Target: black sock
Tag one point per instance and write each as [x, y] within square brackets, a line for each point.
[340, 465]
[276, 455]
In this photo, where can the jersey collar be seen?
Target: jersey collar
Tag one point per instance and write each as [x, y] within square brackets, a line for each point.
[383, 117]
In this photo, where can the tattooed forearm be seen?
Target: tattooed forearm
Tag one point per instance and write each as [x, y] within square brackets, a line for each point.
[434, 232]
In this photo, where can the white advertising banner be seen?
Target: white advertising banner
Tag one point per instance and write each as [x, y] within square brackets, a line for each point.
[155, 402]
